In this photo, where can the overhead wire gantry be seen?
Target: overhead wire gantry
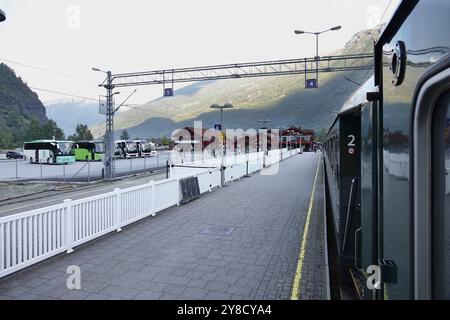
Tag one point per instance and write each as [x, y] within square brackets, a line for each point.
[168, 77]
[243, 70]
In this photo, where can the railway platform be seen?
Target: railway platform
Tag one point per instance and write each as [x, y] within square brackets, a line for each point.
[261, 237]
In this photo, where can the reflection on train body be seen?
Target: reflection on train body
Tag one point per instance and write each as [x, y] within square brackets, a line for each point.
[394, 203]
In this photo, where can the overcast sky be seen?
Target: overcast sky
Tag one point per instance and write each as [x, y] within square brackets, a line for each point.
[72, 36]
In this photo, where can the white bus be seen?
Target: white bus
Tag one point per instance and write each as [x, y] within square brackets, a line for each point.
[127, 149]
[134, 149]
[147, 149]
[49, 151]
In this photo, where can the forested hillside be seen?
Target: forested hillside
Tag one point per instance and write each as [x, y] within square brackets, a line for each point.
[22, 114]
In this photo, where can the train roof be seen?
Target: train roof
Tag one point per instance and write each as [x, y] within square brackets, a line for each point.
[359, 97]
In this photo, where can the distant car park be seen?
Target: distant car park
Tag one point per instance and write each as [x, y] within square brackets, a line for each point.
[162, 147]
[15, 155]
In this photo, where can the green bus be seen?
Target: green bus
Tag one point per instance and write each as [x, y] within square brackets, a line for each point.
[49, 151]
[89, 150]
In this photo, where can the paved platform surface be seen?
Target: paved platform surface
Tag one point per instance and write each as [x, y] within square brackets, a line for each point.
[314, 279]
[240, 242]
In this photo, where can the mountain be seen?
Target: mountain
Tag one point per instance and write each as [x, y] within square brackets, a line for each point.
[283, 99]
[18, 107]
[86, 113]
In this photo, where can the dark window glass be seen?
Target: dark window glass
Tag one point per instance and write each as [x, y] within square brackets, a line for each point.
[445, 292]
[441, 199]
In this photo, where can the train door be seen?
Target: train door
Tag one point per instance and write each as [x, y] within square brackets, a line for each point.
[367, 240]
[440, 218]
[432, 187]
[349, 184]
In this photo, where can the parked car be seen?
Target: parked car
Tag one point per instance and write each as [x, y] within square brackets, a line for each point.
[15, 155]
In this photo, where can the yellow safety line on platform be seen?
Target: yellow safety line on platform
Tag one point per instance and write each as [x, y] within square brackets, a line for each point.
[301, 258]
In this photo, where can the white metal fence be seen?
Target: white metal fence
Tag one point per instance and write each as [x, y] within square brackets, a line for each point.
[30, 237]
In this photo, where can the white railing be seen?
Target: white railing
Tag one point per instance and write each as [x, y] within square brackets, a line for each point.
[208, 180]
[255, 162]
[273, 157]
[236, 166]
[90, 218]
[30, 237]
[190, 156]
[235, 171]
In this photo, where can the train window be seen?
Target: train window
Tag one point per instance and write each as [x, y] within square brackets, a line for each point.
[441, 199]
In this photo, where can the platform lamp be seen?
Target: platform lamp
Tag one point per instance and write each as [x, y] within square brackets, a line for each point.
[317, 34]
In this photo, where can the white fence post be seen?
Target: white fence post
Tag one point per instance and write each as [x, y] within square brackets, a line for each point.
[178, 192]
[118, 210]
[210, 180]
[68, 226]
[153, 198]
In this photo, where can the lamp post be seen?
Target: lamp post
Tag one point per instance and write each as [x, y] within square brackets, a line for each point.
[262, 123]
[226, 106]
[317, 34]
[222, 168]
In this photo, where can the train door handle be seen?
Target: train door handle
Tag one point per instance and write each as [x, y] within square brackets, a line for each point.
[350, 212]
[358, 248]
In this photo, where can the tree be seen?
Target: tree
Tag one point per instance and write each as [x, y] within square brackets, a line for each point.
[321, 135]
[34, 131]
[51, 129]
[166, 141]
[82, 133]
[6, 140]
[47, 131]
[124, 135]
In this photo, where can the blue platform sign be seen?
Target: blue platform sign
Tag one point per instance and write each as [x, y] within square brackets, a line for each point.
[168, 92]
[311, 83]
[217, 127]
